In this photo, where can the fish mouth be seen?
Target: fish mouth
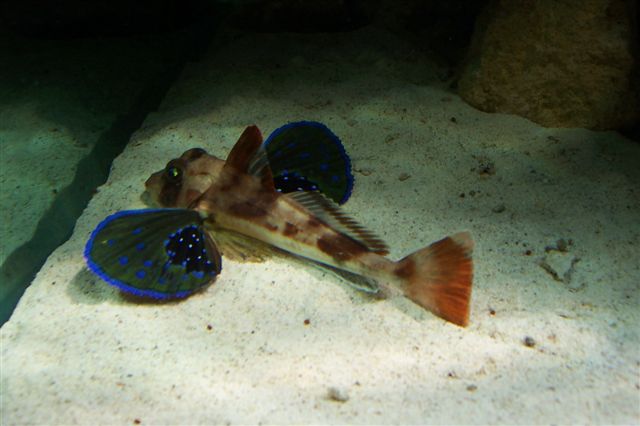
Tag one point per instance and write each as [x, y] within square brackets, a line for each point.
[153, 187]
[148, 199]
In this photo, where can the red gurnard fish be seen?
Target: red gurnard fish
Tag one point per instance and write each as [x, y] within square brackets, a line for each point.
[239, 195]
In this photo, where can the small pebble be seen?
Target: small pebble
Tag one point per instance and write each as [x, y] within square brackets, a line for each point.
[307, 321]
[529, 342]
[487, 169]
[562, 245]
[404, 176]
[390, 138]
[499, 208]
[338, 395]
[472, 388]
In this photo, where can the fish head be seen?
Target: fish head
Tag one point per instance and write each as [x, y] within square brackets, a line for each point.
[184, 179]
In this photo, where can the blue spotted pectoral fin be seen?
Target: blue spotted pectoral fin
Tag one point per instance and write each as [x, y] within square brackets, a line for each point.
[308, 156]
[158, 253]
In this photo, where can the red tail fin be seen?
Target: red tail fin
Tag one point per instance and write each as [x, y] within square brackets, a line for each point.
[439, 277]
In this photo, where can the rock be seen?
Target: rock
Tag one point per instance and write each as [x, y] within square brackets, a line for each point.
[442, 27]
[560, 64]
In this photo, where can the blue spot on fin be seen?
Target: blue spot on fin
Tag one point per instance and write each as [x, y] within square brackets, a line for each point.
[307, 156]
[175, 244]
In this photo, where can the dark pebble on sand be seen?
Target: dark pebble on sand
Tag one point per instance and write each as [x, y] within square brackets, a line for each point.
[337, 394]
[499, 208]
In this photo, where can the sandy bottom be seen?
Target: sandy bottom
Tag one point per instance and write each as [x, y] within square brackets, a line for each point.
[554, 332]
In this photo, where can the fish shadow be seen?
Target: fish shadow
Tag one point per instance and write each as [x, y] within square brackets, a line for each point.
[350, 285]
[88, 289]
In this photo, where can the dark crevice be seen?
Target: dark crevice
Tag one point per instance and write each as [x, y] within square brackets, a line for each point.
[57, 223]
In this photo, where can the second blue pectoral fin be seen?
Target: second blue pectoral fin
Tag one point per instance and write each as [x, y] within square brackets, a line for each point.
[158, 253]
[307, 156]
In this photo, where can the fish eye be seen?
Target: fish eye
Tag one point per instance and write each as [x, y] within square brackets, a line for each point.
[173, 173]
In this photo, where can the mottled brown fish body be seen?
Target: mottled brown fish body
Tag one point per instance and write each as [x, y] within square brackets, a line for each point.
[282, 222]
[438, 277]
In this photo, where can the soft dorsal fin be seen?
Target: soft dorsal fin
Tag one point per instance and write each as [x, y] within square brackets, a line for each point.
[243, 156]
[330, 213]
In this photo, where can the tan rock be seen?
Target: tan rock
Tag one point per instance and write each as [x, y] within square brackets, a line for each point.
[559, 63]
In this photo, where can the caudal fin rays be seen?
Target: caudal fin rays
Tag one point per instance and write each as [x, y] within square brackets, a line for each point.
[440, 276]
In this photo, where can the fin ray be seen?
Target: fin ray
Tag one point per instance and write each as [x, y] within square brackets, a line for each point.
[329, 212]
[439, 277]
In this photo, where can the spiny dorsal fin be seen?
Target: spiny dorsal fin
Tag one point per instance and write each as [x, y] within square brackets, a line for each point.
[244, 155]
[329, 212]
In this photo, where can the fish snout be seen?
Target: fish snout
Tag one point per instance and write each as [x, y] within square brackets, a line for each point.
[153, 185]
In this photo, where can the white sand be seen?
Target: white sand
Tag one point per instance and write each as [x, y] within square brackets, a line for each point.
[76, 351]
